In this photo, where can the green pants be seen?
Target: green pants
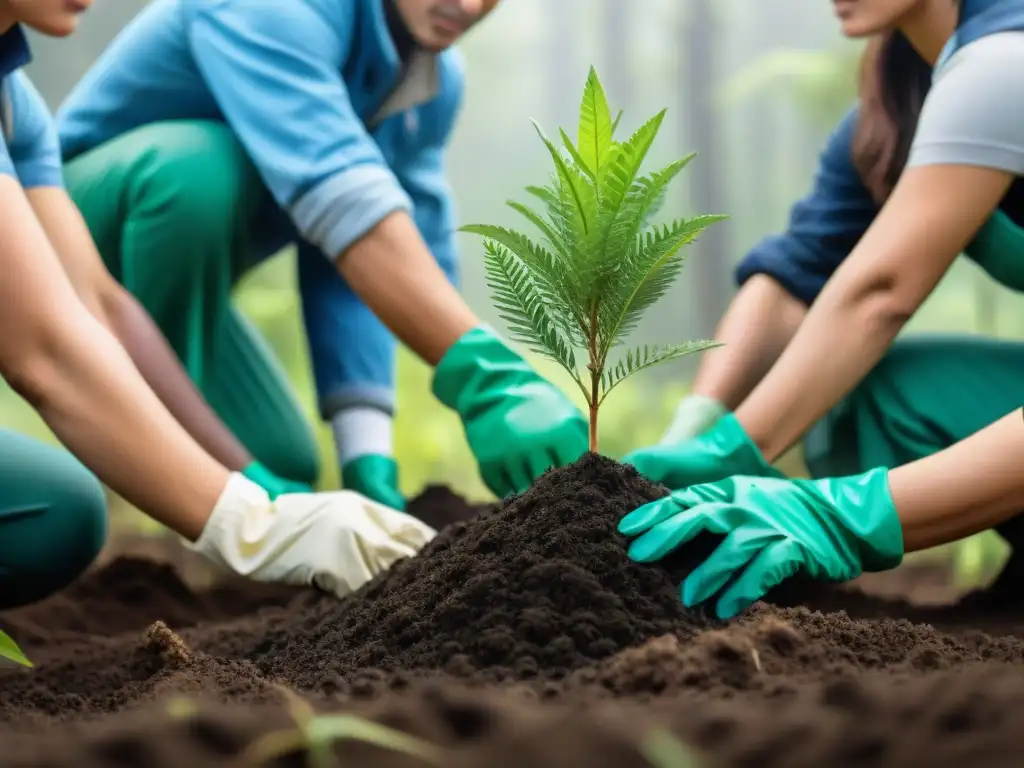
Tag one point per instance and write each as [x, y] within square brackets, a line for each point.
[53, 519]
[169, 206]
[927, 393]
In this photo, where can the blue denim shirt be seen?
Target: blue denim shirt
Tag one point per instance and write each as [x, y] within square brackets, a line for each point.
[825, 225]
[28, 139]
[303, 92]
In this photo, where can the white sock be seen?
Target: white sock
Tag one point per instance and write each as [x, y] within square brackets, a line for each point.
[361, 430]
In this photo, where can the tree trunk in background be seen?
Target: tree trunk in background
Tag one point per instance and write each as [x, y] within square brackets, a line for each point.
[563, 88]
[615, 69]
[709, 266]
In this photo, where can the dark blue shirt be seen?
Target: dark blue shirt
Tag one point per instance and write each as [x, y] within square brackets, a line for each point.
[825, 225]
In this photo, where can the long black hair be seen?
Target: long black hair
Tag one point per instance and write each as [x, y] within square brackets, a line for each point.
[894, 81]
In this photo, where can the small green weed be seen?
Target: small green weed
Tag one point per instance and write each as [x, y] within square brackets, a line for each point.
[317, 734]
[9, 650]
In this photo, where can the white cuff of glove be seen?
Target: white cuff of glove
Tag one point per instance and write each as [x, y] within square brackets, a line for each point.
[335, 541]
[694, 415]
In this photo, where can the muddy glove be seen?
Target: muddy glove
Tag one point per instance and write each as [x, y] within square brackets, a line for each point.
[832, 529]
[375, 477]
[694, 415]
[722, 451]
[517, 424]
[333, 541]
[274, 486]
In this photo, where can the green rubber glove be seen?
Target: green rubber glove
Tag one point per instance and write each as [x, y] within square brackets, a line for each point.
[832, 529]
[275, 486]
[722, 451]
[517, 424]
[376, 477]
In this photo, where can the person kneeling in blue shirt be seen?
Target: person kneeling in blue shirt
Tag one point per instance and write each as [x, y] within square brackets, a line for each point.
[212, 134]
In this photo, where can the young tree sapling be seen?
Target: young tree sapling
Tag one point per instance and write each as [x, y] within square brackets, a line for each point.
[600, 263]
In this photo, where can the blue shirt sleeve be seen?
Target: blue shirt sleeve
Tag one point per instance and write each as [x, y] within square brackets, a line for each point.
[276, 77]
[31, 150]
[823, 227]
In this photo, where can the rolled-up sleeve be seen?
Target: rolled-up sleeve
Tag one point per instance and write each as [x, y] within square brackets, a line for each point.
[32, 151]
[276, 77]
[823, 227]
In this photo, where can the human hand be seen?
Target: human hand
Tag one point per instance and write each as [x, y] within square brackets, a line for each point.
[334, 541]
[722, 451]
[517, 424]
[831, 529]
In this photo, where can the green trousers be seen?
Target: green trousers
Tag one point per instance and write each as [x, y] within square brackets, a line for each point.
[169, 206]
[53, 519]
[927, 393]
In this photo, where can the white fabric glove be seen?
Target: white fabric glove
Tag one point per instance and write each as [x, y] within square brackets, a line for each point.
[335, 541]
[694, 415]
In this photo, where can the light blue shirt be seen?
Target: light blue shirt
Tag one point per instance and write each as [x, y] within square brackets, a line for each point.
[340, 133]
[298, 86]
[28, 139]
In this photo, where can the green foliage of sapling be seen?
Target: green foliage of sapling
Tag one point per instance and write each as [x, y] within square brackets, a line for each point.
[578, 290]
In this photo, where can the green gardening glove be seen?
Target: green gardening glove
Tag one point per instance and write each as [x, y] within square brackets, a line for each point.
[274, 486]
[376, 477]
[722, 451]
[517, 424]
[832, 530]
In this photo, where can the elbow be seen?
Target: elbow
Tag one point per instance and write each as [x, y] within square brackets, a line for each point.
[35, 364]
[883, 303]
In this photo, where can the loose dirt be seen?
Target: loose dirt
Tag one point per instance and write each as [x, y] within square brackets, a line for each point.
[522, 635]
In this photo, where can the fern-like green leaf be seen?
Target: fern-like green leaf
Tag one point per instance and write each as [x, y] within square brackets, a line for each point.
[594, 134]
[623, 170]
[639, 358]
[654, 263]
[573, 184]
[549, 275]
[554, 238]
[577, 160]
[530, 318]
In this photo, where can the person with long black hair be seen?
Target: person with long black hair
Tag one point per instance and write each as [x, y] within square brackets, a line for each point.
[911, 443]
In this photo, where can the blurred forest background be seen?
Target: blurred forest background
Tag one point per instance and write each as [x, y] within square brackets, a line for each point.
[753, 87]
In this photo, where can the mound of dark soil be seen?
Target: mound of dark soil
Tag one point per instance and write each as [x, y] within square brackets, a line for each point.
[581, 651]
[531, 591]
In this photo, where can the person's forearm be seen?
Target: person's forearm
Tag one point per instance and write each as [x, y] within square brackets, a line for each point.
[844, 336]
[66, 364]
[161, 369]
[90, 394]
[118, 310]
[970, 487]
[759, 324]
[393, 271]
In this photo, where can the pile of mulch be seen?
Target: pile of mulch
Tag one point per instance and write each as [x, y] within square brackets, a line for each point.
[522, 635]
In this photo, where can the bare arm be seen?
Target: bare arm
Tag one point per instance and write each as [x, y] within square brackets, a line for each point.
[970, 487]
[760, 322]
[920, 231]
[83, 384]
[123, 316]
[395, 273]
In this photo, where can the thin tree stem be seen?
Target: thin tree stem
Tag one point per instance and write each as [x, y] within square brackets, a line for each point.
[595, 378]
